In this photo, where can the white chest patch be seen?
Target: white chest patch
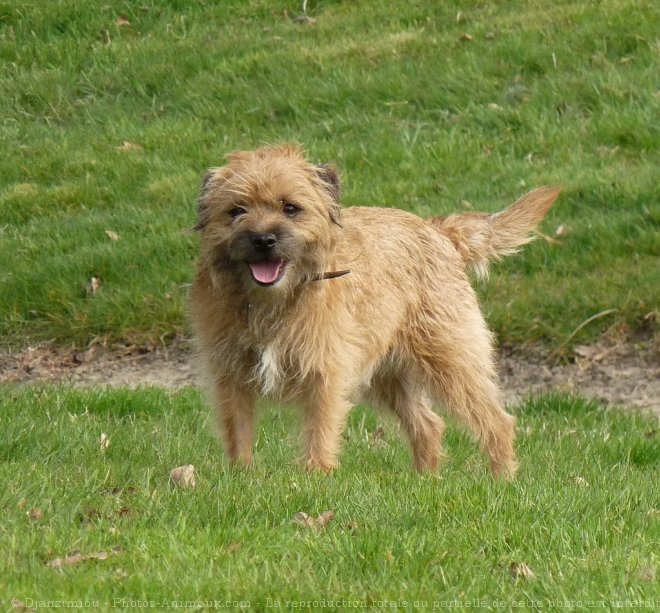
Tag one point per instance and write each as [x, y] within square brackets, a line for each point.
[267, 372]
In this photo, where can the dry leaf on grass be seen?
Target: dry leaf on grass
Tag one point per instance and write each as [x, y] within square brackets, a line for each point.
[378, 438]
[520, 570]
[302, 519]
[467, 38]
[581, 481]
[112, 235]
[516, 93]
[104, 442]
[305, 20]
[648, 573]
[325, 518]
[76, 558]
[93, 286]
[35, 514]
[89, 515]
[122, 21]
[92, 514]
[184, 476]
[128, 146]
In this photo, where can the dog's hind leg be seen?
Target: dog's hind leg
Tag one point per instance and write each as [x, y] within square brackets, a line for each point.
[474, 399]
[235, 413]
[460, 375]
[400, 393]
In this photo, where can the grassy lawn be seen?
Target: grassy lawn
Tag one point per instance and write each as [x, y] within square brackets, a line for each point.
[582, 514]
[111, 112]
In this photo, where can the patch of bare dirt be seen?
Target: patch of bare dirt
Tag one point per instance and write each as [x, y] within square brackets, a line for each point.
[619, 373]
[131, 366]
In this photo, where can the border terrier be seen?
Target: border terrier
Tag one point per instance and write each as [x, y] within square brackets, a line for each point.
[300, 300]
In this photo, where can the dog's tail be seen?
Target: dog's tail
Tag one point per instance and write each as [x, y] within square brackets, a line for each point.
[480, 238]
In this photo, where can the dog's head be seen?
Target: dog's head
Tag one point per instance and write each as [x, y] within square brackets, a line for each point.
[269, 217]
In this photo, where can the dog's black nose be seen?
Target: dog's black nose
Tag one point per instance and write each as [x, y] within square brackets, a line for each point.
[263, 242]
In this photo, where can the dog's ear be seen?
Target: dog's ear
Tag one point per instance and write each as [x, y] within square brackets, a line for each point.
[330, 179]
[202, 206]
[328, 174]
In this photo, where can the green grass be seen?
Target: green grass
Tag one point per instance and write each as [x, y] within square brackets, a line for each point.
[414, 115]
[582, 513]
[417, 117]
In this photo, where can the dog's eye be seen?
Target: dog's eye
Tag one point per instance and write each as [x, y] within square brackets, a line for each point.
[237, 211]
[290, 210]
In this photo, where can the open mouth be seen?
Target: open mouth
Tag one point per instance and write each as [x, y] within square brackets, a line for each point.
[267, 272]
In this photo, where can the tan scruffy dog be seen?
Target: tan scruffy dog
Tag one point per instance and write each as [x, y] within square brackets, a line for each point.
[300, 300]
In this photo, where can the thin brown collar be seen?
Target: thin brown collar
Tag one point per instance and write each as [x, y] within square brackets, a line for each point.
[331, 274]
[321, 276]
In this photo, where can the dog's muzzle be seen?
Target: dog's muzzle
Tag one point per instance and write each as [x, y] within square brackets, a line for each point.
[266, 268]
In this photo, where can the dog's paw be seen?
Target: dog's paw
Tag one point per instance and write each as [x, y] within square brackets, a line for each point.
[240, 462]
[505, 470]
[312, 465]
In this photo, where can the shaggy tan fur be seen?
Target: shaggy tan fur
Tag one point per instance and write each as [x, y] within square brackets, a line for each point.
[402, 330]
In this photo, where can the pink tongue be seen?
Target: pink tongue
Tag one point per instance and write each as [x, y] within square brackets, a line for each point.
[266, 272]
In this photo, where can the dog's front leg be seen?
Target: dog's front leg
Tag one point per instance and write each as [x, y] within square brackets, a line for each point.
[324, 418]
[235, 412]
